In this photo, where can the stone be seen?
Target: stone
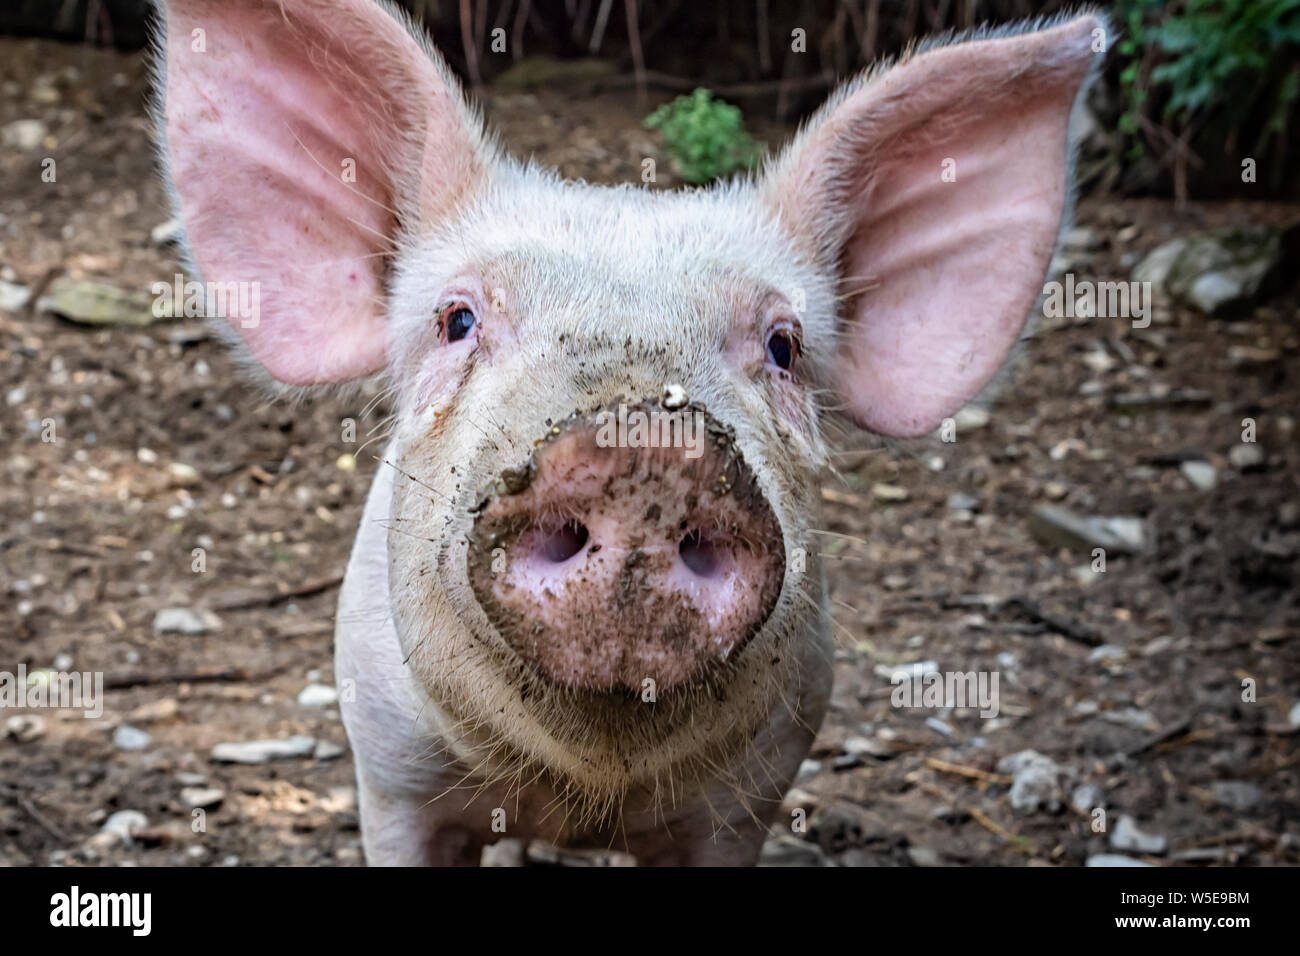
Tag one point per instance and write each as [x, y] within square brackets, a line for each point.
[98, 303]
[127, 737]
[1114, 859]
[1063, 528]
[184, 620]
[1202, 475]
[264, 751]
[317, 695]
[1246, 456]
[23, 134]
[1127, 835]
[202, 798]
[1037, 781]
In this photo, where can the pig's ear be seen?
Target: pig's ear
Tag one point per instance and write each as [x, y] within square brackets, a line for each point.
[302, 138]
[937, 190]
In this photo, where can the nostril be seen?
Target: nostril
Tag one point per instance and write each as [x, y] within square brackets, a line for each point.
[699, 554]
[564, 542]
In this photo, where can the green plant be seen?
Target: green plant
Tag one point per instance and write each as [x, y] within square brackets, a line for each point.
[1208, 65]
[705, 137]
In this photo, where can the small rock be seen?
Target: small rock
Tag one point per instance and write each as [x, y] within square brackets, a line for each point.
[1106, 652]
[1037, 781]
[124, 824]
[807, 770]
[939, 726]
[901, 672]
[1293, 717]
[264, 751]
[1159, 261]
[25, 727]
[1237, 795]
[508, 851]
[1063, 528]
[1220, 271]
[13, 296]
[1202, 475]
[1244, 356]
[960, 501]
[202, 798]
[923, 856]
[98, 303]
[884, 492]
[184, 620]
[790, 851]
[24, 134]
[127, 737]
[1132, 717]
[1087, 797]
[317, 695]
[1246, 456]
[970, 418]
[327, 750]
[1127, 835]
[155, 711]
[1114, 859]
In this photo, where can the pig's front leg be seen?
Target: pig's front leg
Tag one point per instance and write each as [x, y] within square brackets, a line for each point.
[408, 816]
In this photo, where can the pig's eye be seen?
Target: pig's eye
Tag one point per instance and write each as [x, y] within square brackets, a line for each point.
[459, 322]
[782, 347]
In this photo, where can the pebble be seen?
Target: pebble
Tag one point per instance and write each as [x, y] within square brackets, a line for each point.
[961, 501]
[901, 672]
[155, 711]
[1293, 718]
[1127, 835]
[12, 298]
[317, 695]
[1237, 795]
[327, 750]
[508, 851]
[264, 751]
[1037, 781]
[883, 492]
[1063, 528]
[1087, 797]
[1132, 717]
[1106, 652]
[127, 737]
[184, 620]
[970, 418]
[25, 727]
[790, 851]
[1246, 455]
[1114, 859]
[1202, 475]
[203, 798]
[124, 823]
[23, 134]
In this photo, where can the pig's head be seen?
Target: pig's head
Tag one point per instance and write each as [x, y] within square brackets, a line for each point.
[569, 599]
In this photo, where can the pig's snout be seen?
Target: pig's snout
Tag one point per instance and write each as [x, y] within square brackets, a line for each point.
[615, 557]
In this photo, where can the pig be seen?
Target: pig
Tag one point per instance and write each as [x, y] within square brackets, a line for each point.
[550, 628]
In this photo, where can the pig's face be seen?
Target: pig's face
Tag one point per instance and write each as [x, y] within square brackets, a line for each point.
[571, 598]
[599, 585]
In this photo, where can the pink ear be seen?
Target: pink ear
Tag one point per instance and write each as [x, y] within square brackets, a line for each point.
[939, 276]
[296, 133]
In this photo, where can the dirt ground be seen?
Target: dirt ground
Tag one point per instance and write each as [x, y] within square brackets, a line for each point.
[99, 530]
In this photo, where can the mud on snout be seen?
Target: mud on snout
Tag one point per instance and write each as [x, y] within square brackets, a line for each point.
[618, 555]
